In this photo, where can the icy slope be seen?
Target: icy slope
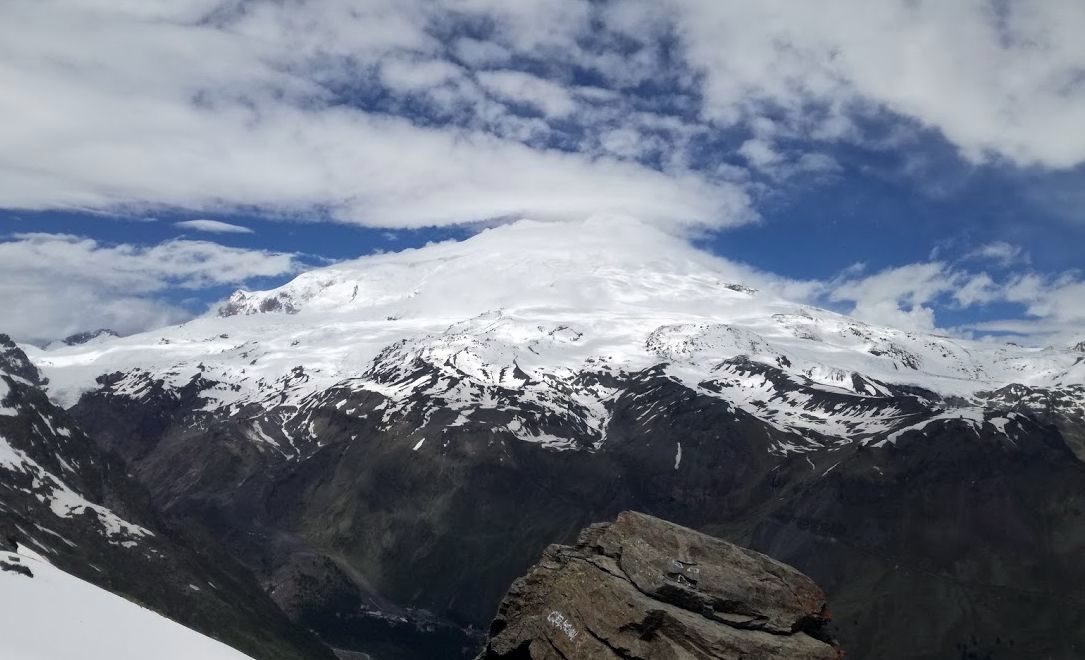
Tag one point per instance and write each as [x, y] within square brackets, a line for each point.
[539, 317]
[50, 614]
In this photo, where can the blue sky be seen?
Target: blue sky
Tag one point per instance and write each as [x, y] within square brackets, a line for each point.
[915, 164]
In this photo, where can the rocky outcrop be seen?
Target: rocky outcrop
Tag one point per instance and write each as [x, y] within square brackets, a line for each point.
[87, 336]
[641, 587]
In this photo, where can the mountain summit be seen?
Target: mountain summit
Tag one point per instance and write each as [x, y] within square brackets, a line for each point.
[531, 305]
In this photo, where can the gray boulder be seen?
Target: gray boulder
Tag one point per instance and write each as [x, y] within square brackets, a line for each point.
[641, 587]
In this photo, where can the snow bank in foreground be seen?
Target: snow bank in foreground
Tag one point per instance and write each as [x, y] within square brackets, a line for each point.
[55, 616]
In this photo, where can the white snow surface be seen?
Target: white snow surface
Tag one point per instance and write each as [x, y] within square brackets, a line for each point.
[56, 615]
[528, 307]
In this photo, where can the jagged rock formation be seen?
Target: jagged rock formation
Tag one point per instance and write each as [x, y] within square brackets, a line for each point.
[645, 588]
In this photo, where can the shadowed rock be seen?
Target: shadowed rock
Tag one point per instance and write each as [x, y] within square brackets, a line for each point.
[641, 587]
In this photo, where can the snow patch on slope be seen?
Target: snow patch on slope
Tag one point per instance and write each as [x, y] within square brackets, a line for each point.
[65, 502]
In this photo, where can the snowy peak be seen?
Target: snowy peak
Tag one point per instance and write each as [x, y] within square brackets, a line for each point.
[596, 265]
[521, 325]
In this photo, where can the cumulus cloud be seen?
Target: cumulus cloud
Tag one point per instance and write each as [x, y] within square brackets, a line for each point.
[551, 98]
[63, 284]
[759, 153]
[897, 297]
[1053, 308]
[911, 296]
[212, 227]
[211, 106]
[999, 80]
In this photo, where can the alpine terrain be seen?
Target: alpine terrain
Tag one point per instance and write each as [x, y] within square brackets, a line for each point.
[381, 446]
[70, 510]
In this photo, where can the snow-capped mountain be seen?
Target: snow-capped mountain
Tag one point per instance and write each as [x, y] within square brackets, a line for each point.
[388, 442]
[547, 315]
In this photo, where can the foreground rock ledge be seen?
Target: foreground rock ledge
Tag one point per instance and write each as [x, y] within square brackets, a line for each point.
[641, 587]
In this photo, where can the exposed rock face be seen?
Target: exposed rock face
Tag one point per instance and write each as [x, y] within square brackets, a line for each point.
[645, 588]
[89, 335]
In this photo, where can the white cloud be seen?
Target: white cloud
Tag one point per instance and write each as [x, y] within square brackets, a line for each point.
[551, 98]
[1055, 306]
[194, 104]
[999, 252]
[63, 284]
[213, 227]
[910, 296]
[210, 105]
[407, 75]
[759, 153]
[369, 112]
[997, 79]
[897, 297]
[480, 53]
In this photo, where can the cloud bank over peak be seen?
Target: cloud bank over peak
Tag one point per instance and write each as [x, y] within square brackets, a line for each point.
[998, 79]
[1044, 309]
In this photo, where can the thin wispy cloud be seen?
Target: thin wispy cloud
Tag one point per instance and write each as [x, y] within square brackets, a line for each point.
[212, 227]
[999, 252]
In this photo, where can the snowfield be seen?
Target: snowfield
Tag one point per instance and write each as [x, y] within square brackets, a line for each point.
[54, 616]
